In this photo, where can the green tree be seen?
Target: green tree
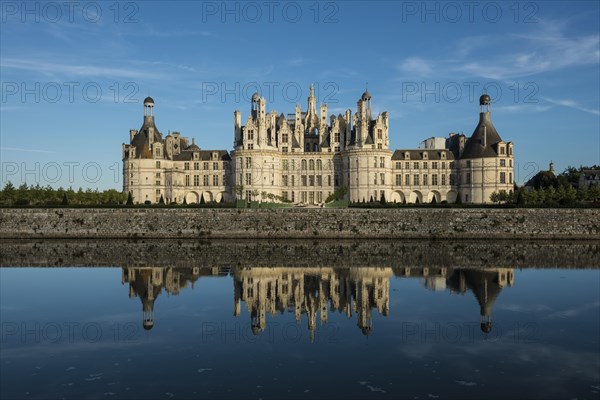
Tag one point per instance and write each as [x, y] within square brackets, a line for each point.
[129, 199]
[594, 193]
[65, 200]
[8, 194]
[495, 197]
[570, 195]
[582, 193]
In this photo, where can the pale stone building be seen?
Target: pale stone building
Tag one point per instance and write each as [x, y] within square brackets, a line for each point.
[173, 168]
[305, 156]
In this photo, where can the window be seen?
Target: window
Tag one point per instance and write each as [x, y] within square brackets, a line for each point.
[186, 166]
[205, 180]
[434, 165]
[303, 165]
[311, 165]
[379, 146]
[510, 163]
[215, 180]
[285, 195]
[382, 179]
[187, 180]
[398, 165]
[443, 165]
[311, 180]
[502, 177]
[510, 177]
[502, 150]
[215, 166]
[319, 180]
[158, 174]
[375, 179]
[407, 165]
[284, 149]
[434, 179]
[416, 165]
[251, 134]
[374, 162]
[416, 180]
[503, 163]
[157, 164]
[468, 163]
[398, 180]
[196, 180]
[205, 166]
[468, 182]
[336, 137]
[196, 166]
[424, 164]
[157, 183]
[293, 184]
[425, 179]
[285, 165]
[379, 134]
[248, 162]
[407, 180]
[443, 179]
[319, 165]
[381, 162]
[284, 180]
[248, 178]
[303, 180]
[284, 138]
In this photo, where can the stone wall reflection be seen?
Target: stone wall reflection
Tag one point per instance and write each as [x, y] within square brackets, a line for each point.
[317, 292]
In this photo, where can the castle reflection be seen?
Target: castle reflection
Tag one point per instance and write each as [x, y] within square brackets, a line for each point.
[317, 291]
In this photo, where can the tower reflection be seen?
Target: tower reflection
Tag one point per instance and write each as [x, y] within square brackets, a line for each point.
[315, 292]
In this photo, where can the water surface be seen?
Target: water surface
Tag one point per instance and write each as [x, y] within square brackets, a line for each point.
[240, 331]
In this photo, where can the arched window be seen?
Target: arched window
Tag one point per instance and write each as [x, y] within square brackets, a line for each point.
[311, 165]
[319, 165]
[304, 164]
[315, 147]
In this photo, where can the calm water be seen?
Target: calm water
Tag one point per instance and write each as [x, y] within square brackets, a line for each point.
[418, 332]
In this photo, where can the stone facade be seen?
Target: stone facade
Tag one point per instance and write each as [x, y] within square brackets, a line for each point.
[173, 168]
[306, 156]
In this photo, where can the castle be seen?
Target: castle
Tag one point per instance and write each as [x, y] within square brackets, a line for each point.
[305, 156]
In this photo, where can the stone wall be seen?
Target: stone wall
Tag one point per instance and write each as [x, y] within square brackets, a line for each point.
[408, 223]
[329, 253]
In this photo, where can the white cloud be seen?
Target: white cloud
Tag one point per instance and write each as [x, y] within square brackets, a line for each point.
[77, 70]
[416, 66]
[571, 104]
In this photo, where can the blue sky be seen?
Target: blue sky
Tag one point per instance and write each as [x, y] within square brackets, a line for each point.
[74, 76]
